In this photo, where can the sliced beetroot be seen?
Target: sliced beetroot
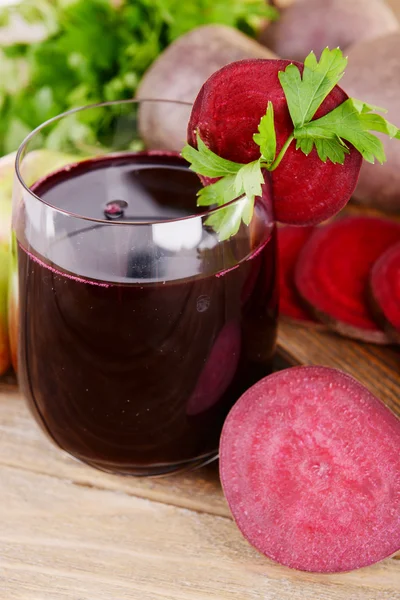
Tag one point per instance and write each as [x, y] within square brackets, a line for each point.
[218, 371]
[291, 239]
[310, 467]
[332, 273]
[385, 290]
[227, 112]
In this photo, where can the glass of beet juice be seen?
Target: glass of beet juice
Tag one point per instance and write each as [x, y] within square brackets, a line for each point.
[138, 327]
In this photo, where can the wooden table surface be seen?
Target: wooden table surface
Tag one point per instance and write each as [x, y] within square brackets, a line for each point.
[69, 532]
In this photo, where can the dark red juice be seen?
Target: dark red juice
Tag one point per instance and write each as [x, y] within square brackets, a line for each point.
[134, 347]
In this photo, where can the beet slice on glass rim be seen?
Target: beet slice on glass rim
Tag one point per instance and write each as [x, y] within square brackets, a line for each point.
[226, 113]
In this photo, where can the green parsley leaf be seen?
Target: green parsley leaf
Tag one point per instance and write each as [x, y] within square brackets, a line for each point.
[266, 136]
[334, 149]
[205, 162]
[226, 221]
[236, 180]
[375, 122]
[304, 95]
[249, 179]
[351, 121]
[246, 183]
[305, 144]
[218, 193]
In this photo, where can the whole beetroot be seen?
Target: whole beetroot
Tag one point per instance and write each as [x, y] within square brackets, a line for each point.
[373, 75]
[179, 73]
[314, 24]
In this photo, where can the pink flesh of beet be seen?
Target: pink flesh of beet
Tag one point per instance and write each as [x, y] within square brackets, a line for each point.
[310, 467]
[385, 287]
[290, 241]
[333, 270]
[218, 371]
[227, 112]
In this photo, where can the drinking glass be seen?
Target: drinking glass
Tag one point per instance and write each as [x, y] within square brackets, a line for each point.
[139, 327]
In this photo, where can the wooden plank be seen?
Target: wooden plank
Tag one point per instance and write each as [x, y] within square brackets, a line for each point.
[69, 532]
[61, 542]
[23, 445]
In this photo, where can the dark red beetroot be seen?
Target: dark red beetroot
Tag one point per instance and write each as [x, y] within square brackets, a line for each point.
[227, 112]
[291, 239]
[385, 291]
[310, 467]
[333, 269]
[218, 371]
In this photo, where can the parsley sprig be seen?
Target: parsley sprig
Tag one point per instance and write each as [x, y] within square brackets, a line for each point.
[349, 123]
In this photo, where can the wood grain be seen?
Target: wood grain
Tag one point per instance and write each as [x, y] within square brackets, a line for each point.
[69, 532]
[96, 544]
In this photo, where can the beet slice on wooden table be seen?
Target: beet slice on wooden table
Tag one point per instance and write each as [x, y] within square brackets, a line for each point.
[310, 467]
[332, 273]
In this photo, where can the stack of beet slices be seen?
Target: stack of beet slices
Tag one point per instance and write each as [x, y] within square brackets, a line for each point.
[345, 275]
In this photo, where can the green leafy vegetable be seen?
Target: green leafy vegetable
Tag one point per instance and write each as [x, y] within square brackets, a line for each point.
[266, 136]
[351, 122]
[236, 181]
[218, 193]
[93, 51]
[249, 180]
[226, 221]
[305, 94]
[205, 162]
[333, 148]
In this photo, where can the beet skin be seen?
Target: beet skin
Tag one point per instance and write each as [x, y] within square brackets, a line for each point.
[310, 467]
[226, 114]
[385, 291]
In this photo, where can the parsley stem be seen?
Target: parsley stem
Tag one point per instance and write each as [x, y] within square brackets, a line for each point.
[281, 154]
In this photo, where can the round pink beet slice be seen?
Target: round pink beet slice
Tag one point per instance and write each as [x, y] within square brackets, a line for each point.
[332, 273]
[291, 239]
[310, 467]
[385, 290]
[227, 112]
[218, 371]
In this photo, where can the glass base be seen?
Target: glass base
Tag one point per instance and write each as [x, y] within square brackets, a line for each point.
[155, 470]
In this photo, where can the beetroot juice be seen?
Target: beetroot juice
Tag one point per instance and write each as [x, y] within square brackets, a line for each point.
[138, 328]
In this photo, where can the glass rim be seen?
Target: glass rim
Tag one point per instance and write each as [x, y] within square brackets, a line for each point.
[137, 101]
